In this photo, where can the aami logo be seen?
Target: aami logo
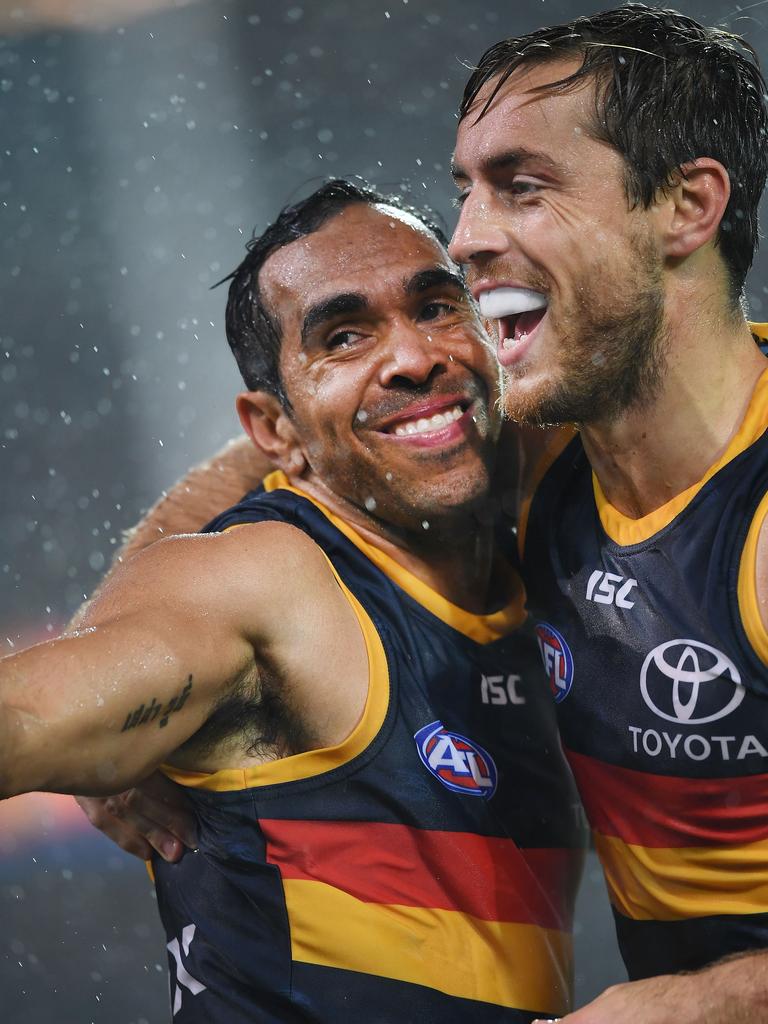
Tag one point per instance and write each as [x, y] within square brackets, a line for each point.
[557, 658]
[461, 765]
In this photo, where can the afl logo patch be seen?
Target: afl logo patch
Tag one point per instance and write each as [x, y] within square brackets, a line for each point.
[557, 658]
[461, 765]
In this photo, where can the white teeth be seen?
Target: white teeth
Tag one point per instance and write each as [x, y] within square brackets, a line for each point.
[436, 422]
[503, 302]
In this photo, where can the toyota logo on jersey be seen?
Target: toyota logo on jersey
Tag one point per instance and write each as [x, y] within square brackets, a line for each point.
[557, 658]
[690, 682]
[461, 765]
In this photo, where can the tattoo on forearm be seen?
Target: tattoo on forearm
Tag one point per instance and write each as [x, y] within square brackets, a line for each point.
[150, 712]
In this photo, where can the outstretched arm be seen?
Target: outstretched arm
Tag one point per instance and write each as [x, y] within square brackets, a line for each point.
[177, 629]
[95, 710]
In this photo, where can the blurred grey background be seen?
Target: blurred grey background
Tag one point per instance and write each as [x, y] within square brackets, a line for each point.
[141, 141]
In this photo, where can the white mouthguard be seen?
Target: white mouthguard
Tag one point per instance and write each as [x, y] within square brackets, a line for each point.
[509, 302]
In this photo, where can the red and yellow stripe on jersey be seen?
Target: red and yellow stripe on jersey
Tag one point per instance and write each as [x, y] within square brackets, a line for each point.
[380, 879]
[653, 637]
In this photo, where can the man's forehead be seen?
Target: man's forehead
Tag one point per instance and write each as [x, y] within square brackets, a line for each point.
[523, 98]
[358, 242]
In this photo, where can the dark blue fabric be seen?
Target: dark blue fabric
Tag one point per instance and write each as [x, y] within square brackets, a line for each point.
[241, 946]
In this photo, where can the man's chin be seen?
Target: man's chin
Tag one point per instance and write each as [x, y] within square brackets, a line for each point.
[532, 403]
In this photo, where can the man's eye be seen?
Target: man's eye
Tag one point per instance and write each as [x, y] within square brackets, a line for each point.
[458, 201]
[343, 340]
[436, 309]
[523, 187]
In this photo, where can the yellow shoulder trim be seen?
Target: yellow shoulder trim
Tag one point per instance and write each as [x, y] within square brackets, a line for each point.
[312, 762]
[749, 605]
[483, 629]
[623, 530]
[556, 447]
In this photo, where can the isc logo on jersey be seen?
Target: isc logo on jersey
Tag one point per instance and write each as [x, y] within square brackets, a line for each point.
[461, 765]
[557, 658]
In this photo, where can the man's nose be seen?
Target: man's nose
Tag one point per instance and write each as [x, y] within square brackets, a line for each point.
[479, 233]
[412, 355]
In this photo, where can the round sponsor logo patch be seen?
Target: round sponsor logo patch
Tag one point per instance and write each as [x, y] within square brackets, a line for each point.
[461, 765]
[557, 658]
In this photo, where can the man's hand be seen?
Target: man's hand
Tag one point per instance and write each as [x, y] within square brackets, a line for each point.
[152, 815]
[734, 991]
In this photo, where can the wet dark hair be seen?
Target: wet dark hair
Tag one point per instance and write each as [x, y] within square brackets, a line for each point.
[253, 331]
[668, 91]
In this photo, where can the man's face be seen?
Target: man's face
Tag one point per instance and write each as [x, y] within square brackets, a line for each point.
[570, 275]
[392, 381]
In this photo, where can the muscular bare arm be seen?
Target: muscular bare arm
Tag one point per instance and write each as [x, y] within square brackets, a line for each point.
[154, 815]
[182, 624]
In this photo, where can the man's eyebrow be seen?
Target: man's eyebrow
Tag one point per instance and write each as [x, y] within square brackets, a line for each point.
[435, 277]
[329, 309]
[508, 160]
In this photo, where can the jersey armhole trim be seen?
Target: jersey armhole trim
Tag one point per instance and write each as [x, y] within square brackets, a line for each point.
[312, 763]
[749, 606]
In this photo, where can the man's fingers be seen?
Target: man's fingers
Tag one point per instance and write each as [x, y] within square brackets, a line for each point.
[97, 812]
[146, 827]
[158, 812]
[120, 818]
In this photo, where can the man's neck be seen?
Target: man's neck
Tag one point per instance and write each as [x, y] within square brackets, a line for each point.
[456, 556]
[649, 455]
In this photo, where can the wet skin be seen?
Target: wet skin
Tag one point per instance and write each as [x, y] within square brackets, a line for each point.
[385, 360]
[544, 206]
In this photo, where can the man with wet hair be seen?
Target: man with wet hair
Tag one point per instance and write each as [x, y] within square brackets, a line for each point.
[338, 672]
[609, 174]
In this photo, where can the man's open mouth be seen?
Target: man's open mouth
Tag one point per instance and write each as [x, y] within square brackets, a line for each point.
[518, 311]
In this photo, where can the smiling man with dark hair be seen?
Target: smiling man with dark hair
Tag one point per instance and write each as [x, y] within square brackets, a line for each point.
[610, 171]
[338, 674]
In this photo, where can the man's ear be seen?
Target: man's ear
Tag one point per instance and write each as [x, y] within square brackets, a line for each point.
[267, 422]
[694, 207]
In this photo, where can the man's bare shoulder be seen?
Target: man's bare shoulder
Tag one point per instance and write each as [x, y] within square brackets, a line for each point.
[229, 573]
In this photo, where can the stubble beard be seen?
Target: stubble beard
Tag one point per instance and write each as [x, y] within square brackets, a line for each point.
[614, 362]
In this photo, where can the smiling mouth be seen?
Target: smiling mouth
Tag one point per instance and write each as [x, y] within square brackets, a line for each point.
[429, 424]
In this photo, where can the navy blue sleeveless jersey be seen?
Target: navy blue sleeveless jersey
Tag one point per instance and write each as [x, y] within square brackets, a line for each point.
[652, 638]
[422, 870]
